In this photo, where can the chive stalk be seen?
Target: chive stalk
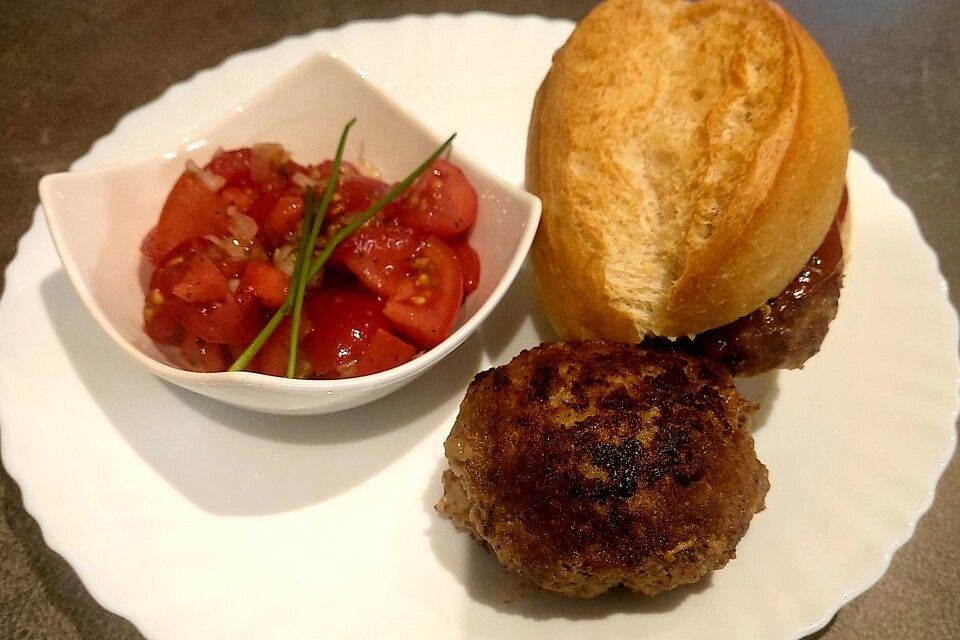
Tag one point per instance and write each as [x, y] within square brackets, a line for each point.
[312, 231]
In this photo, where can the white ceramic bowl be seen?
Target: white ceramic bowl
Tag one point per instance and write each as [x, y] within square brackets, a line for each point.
[98, 219]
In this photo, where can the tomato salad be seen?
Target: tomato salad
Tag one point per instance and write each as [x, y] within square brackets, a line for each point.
[225, 247]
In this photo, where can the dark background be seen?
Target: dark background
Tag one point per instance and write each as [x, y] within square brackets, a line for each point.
[70, 71]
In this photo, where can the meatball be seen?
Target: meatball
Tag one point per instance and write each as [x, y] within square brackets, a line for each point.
[783, 334]
[588, 465]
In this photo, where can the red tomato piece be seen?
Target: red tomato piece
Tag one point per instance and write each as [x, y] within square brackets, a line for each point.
[261, 207]
[234, 166]
[379, 256]
[384, 351]
[273, 356]
[284, 218]
[441, 202]
[202, 282]
[191, 210]
[355, 190]
[267, 284]
[469, 264]
[424, 307]
[159, 321]
[344, 321]
[203, 356]
[232, 321]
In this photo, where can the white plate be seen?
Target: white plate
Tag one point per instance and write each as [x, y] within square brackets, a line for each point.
[195, 520]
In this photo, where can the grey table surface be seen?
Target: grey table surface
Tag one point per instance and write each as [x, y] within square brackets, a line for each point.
[70, 71]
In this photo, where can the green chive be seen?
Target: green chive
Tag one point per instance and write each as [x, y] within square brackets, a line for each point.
[313, 233]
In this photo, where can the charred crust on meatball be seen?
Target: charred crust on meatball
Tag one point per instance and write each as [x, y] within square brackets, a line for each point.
[587, 465]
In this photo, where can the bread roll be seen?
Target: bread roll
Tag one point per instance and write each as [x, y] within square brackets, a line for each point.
[690, 158]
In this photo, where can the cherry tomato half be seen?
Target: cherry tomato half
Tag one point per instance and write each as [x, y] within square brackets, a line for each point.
[384, 351]
[344, 321]
[441, 202]
[379, 256]
[424, 307]
[469, 264]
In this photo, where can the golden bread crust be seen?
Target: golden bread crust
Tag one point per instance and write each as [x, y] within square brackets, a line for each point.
[640, 237]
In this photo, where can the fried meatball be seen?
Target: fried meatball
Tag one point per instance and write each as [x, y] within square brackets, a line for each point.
[783, 334]
[588, 465]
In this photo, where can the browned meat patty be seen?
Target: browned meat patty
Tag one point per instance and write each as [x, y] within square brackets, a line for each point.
[588, 465]
[783, 334]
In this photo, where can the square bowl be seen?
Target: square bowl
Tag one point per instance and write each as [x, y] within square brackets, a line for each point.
[98, 219]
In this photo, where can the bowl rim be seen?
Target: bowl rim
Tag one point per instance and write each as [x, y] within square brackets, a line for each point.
[531, 210]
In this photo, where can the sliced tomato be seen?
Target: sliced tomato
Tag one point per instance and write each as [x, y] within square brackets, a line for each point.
[379, 256]
[233, 165]
[191, 210]
[424, 307]
[233, 321]
[343, 321]
[202, 282]
[441, 202]
[267, 284]
[384, 351]
[283, 219]
[200, 355]
[469, 265]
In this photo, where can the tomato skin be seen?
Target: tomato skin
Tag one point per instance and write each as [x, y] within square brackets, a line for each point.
[384, 351]
[379, 256]
[203, 356]
[232, 321]
[424, 307]
[190, 210]
[265, 283]
[355, 191]
[273, 356]
[343, 321]
[262, 205]
[284, 218]
[442, 202]
[202, 282]
[469, 262]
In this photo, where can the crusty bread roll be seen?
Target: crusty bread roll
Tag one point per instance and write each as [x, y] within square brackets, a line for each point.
[690, 158]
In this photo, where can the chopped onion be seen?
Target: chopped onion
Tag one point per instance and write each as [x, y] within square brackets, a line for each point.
[241, 225]
[285, 258]
[233, 284]
[272, 152]
[302, 181]
[211, 181]
[368, 169]
[231, 246]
